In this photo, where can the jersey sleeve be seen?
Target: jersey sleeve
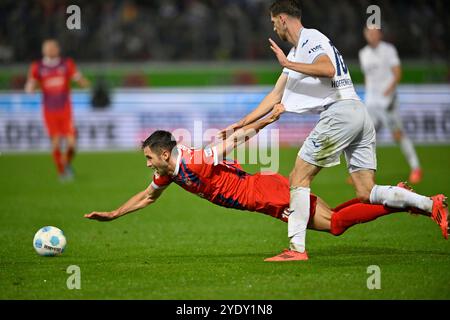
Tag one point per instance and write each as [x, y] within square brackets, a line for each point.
[209, 155]
[160, 182]
[314, 47]
[72, 70]
[34, 71]
[393, 58]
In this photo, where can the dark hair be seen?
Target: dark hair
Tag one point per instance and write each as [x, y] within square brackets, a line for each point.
[289, 7]
[159, 141]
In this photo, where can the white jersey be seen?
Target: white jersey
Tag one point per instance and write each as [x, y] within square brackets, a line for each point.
[377, 64]
[304, 93]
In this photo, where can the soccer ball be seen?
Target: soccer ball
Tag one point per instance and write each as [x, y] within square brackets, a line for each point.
[49, 241]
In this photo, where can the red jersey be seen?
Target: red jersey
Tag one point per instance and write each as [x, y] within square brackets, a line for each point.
[224, 183]
[200, 172]
[55, 83]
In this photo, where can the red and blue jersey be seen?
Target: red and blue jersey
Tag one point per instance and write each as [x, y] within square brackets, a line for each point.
[224, 183]
[54, 80]
[199, 171]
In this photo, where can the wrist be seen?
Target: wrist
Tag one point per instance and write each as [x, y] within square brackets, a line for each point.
[240, 123]
[115, 214]
[287, 64]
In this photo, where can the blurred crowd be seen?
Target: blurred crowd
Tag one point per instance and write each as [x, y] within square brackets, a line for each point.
[173, 30]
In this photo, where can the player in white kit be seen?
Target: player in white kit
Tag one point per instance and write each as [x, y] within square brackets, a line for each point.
[316, 79]
[382, 71]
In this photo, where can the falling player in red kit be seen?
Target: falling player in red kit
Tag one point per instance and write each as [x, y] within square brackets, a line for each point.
[54, 74]
[223, 182]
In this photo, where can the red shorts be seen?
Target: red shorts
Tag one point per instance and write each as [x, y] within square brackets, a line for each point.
[59, 123]
[272, 195]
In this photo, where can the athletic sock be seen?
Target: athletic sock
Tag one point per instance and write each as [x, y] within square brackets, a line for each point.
[69, 155]
[346, 204]
[409, 152]
[57, 158]
[298, 219]
[396, 197]
[357, 213]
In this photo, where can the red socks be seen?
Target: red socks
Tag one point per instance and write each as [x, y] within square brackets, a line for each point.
[57, 158]
[70, 155]
[353, 212]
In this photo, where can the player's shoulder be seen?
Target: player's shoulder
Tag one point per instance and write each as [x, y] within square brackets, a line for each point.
[386, 46]
[36, 62]
[314, 34]
[68, 60]
[187, 153]
[187, 150]
[364, 50]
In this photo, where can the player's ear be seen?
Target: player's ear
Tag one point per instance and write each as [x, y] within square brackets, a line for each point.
[165, 155]
[282, 19]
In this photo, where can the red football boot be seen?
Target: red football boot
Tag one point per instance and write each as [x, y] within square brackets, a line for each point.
[288, 255]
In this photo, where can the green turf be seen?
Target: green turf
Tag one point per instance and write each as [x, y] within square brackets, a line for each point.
[183, 247]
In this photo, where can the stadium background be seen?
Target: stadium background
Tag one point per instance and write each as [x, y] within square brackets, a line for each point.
[170, 64]
[222, 55]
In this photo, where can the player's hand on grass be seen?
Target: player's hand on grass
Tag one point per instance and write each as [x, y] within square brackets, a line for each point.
[101, 216]
[279, 53]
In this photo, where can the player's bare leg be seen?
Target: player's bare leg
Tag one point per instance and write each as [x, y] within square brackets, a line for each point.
[322, 217]
[363, 182]
[410, 154]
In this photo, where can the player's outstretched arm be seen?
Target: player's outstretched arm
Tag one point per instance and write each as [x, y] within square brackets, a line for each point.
[264, 107]
[397, 72]
[81, 80]
[137, 202]
[248, 131]
[30, 85]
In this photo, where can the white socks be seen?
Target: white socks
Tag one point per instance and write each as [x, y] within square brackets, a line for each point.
[298, 219]
[397, 197]
[409, 152]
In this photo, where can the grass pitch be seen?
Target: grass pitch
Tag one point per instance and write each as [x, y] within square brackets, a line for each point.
[184, 247]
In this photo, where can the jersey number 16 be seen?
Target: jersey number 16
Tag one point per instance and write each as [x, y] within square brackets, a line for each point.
[340, 64]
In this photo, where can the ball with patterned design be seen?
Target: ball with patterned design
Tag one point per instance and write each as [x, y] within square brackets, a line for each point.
[49, 241]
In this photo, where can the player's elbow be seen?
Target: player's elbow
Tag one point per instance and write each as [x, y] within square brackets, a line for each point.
[329, 71]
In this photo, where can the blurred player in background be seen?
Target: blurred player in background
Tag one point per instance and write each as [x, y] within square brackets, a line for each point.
[382, 71]
[204, 172]
[54, 74]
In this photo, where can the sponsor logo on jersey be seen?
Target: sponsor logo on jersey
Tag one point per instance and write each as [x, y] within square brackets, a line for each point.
[316, 48]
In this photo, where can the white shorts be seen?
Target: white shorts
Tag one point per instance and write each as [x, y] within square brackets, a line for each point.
[387, 118]
[345, 126]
